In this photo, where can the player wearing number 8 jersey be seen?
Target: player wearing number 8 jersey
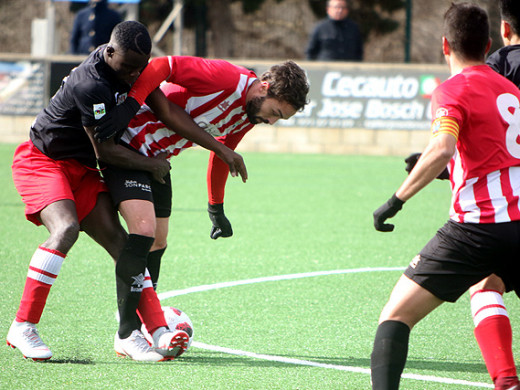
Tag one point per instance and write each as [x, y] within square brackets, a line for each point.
[485, 171]
[475, 128]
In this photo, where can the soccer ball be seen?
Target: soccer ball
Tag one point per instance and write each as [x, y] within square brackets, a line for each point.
[179, 320]
[176, 320]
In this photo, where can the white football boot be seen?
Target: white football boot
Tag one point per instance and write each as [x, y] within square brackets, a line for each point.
[170, 344]
[25, 337]
[137, 348]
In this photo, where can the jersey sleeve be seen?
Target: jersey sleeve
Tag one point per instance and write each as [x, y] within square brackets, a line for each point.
[201, 76]
[448, 101]
[494, 61]
[218, 170]
[93, 100]
[158, 70]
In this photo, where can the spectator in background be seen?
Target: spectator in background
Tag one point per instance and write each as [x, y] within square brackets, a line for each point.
[336, 38]
[92, 26]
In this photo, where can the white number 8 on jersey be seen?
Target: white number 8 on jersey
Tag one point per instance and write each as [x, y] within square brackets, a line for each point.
[505, 103]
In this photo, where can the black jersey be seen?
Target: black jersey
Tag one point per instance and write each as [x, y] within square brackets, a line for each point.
[506, 61]
[84, 97]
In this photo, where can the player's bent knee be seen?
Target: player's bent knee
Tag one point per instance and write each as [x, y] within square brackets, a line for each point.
[66, 232]
[492, 282]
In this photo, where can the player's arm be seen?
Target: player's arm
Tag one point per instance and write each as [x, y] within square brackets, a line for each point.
[412, 159]
[116, 121]
[175, 118]
[216, 179]
[113, 154]
[432, 162]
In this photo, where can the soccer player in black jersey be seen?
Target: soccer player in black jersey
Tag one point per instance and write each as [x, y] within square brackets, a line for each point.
[56, 174]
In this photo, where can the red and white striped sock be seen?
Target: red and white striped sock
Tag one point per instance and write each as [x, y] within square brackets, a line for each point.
[43, 271]
[149, 308]
[493, 332]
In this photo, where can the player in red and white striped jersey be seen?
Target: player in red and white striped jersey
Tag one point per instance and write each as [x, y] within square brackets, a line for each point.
[226, 101]
[475, 129]
[492, 325]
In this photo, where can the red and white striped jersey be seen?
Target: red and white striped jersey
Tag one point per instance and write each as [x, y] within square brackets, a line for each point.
[485, 170]
[212, 92]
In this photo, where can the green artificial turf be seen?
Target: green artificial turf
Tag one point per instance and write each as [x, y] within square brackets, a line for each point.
[297, 214]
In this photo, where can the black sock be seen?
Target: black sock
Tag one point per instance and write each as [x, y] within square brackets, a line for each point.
[154, 265]
[389, 355]
[130, 268]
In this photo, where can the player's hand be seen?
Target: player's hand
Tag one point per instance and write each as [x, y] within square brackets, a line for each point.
[221, 225]
[160, 168]
[235, 162]
[389, 209]
[411, 160]
[116, 121]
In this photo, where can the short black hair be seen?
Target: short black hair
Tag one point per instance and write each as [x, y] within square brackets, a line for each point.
[132, 35]
[466, 28]
[510, 12]
[287, 83]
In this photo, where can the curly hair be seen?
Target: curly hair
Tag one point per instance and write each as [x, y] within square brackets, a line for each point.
[288, 83]
[132, 35]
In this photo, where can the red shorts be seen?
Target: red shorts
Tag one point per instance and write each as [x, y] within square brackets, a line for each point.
[40, 181]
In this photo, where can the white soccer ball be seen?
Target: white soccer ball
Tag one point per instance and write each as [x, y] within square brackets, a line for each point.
[176, 320]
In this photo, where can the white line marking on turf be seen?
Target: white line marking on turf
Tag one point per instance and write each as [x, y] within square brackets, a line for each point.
[216, 348]
[282, 359]
[275, 278]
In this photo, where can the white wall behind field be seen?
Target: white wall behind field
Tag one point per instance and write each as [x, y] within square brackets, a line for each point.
[374, 109]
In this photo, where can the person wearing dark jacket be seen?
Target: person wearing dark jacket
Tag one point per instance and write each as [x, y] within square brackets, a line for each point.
[92, 26]
[336, 38]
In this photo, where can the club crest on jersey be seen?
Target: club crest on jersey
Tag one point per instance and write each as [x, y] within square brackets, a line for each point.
[120, 97]
[99, 110]
[441, 112]
[223, 106]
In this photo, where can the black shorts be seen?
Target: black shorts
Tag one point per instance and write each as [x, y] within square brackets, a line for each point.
[462, 254]
[126, 184]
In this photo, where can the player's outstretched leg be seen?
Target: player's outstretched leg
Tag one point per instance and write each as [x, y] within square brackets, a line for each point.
[43, 271]
[169, 343]
[495, 337]
[389, 355]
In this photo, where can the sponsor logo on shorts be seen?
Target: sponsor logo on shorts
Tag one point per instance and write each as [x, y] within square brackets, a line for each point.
[135, 184]
[415, 261]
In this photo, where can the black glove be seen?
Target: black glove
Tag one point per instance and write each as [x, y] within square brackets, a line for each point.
[411, 160]
[116, 120]
[387, 210]
[221, 225]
